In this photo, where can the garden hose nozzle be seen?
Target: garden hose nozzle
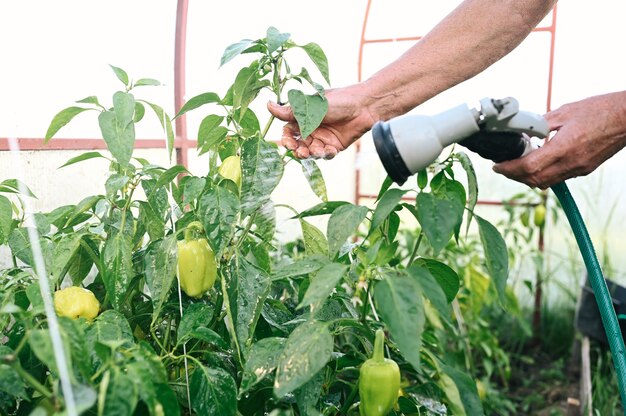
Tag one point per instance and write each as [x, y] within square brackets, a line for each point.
[498, 131]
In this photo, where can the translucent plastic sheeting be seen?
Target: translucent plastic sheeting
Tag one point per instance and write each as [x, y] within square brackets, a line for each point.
[55, 53]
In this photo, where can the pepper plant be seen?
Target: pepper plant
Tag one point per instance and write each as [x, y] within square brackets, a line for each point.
[270, 328]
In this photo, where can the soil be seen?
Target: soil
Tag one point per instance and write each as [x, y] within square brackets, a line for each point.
[545, 386]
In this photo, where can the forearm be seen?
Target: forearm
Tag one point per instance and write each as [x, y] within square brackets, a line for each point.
[471, 38]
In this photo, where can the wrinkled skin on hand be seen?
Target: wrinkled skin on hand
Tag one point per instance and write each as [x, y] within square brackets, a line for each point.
[588, 132]
[347, 119]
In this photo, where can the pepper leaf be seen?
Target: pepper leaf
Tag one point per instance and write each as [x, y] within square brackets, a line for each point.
[314, 176]
[118, 267]
[342, 224]
[309, 111]
[218, 209]
[496, 256]
[213, 392]
[61, 119]
[262, 360]
[400, 303]
[262, 169]
[307, 350]
[160, 271]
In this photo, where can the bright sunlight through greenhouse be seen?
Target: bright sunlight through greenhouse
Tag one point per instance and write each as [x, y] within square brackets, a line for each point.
[355, 208]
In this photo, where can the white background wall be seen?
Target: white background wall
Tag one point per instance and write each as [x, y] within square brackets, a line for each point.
[56, 52]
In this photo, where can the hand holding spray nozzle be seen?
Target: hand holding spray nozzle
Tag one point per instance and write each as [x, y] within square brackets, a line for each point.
[498, 131]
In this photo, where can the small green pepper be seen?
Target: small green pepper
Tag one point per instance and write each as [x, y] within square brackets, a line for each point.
[379, 381]
[197, 269]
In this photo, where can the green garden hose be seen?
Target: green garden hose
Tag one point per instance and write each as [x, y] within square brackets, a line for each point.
[598, 284]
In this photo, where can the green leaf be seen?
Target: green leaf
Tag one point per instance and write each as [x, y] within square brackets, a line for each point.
[496, 256]
[83, 206]
[120, 74]
[400, 304]
[61, 119]
[81, 263]
[85, 397]
[195, 316]
[80, 158]
[10, 381]
[213, 392]
[64, 250]
[140, 111]
[114, 183]
[314, 240]
[210, 133]
[472, 184]
[120, 138]
[151, 220]
[110, 325]
[318, 57]
[74, 334]
[447, 278]
[160, 271]
[322, 284]
[124, 107]
[309, 111]
[193, 188]
[422, 179]
[275, 39]
[197, 101]
[166, 124]
[15, 186]
[384, 187]
[247, 86]
[151, 378]
[262, 169]
[118, 395]
[314, 176]
[218, 209]
[439, 215]
[307, 350]
[467, 390]
[310, 394]
[146, 81]
[300, 267]
[92, 99]
[118, 267]
[249, 123]
[431, 289]
[41, 344]
[265, 221]
[262, 360]
[169, 175]
[319, 88]
[6, 218]
[342, 224]
[209, 336]
[248, 287]
[386, 205]
[19, 244]
[234, 50]
[322, 209]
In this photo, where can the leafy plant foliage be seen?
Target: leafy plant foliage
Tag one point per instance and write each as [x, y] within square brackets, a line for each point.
[286, 327]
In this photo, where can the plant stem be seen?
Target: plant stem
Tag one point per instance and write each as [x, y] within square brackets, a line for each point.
[245, 232]
[417, 245]
[32, 381]
[349, 399]
[267, 127]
